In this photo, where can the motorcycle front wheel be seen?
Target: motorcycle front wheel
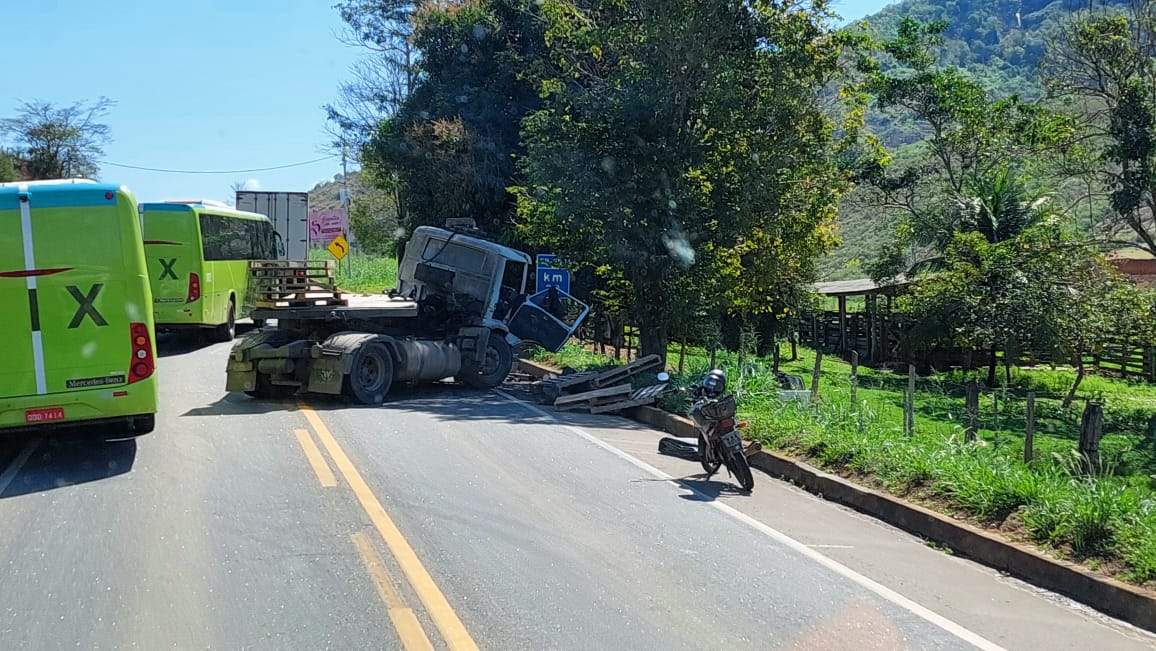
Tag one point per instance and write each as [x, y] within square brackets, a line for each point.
[737, 463]
[708, 464]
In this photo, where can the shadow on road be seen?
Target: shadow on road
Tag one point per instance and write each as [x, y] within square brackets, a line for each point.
[448, 402]
[708, 490]
[172, 344]
[233, 404]
[68, 458]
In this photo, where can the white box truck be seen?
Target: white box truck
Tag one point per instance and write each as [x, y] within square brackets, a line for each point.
[289, 212]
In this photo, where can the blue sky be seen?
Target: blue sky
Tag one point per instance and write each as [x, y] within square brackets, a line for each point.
[203, 85]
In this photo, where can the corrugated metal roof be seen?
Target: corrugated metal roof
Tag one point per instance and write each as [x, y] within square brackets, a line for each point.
[856, 286]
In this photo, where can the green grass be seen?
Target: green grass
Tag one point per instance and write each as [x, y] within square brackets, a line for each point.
[363, 274]
[1108, 519]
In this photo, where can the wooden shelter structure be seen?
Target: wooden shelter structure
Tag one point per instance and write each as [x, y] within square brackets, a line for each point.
[869, 332]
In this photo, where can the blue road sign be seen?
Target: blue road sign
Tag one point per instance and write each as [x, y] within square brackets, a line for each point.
[547, 274]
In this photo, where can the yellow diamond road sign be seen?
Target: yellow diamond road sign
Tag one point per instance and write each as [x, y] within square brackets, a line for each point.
[339, 247]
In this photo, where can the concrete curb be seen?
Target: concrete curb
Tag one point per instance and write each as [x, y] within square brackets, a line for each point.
[1129, 603]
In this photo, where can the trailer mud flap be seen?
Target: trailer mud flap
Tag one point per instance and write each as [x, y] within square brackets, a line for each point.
[240, 376]
[326, 374]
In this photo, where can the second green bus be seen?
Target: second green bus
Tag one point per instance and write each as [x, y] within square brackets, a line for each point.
[198, 257]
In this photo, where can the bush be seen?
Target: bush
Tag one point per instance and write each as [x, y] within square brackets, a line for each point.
[988, 485]
[1138, 546]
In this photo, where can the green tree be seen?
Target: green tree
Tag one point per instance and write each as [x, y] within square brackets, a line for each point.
[682, 150]
[1104, 63]
[59, 142]
[978, 147]
[453, 142]
[1098, 306]
[373, 220]
[7, 168]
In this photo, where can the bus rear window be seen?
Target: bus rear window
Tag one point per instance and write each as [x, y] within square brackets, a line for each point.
[228, 238]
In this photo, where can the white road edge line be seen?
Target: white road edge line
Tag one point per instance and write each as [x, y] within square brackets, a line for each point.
[870, 584]
[13, 468]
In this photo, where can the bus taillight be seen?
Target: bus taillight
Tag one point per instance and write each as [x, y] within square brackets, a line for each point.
[141, 365]
[194, 288]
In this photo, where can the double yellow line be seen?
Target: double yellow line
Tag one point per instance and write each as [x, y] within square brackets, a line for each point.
[408, 628]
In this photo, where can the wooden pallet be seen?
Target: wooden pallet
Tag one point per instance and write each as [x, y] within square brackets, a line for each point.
[305, 302]
[624, 373]
[644, 396]
[294, 283]
[590, 398]
[609, 399]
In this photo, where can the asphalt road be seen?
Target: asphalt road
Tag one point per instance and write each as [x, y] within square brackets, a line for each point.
[450, 518]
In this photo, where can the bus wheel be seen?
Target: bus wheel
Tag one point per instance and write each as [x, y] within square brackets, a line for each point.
[227, 330]
[139, 425]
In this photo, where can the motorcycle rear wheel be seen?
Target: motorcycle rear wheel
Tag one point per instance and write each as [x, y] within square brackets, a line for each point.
[709, 465]
[737, 463]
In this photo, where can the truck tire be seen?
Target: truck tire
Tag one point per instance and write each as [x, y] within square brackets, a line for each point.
[370, 374]
[227, 330]
[496, 367]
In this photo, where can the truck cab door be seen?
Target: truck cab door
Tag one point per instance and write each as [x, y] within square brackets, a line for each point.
[548, 318]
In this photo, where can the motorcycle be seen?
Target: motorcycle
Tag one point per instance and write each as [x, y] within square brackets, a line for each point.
[713, 412]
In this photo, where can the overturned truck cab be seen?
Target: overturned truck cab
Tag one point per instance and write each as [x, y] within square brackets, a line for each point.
[458, 311]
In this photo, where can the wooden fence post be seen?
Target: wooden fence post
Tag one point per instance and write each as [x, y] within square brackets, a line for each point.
[815, 376]
[1030, 431]
[971, 409]
[1091, 429]
[909, 404]
[854, 379]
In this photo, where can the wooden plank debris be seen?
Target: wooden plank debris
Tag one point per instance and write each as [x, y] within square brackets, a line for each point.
[644, 396]
[607, 392]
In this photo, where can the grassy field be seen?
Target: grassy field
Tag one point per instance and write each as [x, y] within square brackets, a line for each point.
[362, 274]
[1107, 520]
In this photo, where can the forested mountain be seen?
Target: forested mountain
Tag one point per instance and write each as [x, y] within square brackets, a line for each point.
[1000, 42]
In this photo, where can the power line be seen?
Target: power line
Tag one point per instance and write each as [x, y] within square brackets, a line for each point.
[255, 169]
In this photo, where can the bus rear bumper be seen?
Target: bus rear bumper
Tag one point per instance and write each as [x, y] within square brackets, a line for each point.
[133, 404]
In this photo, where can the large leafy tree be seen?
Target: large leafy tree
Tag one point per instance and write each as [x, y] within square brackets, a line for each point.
[682, 152]
[452, 144]
[977, 147]
[58, 141]
[1104, 63]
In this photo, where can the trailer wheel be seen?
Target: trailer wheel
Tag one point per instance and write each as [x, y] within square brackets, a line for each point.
[496, 367]
[370, 374]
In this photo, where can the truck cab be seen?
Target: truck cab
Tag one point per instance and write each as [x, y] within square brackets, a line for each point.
[481, 278]
[459, 271]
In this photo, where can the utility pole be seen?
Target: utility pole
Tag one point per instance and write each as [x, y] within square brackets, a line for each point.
[345, 191]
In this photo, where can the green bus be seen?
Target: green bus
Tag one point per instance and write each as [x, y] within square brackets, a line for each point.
[75, 309]
[198, 256]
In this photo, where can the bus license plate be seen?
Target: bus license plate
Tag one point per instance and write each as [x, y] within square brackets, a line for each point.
[731, 439]
[43, 415]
